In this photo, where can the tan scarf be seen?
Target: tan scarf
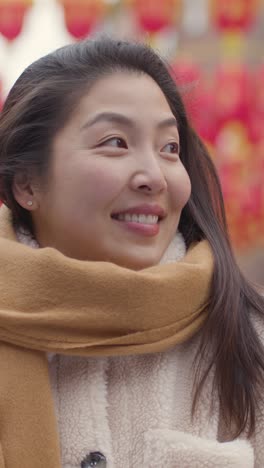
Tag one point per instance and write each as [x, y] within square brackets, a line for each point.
[52, 303]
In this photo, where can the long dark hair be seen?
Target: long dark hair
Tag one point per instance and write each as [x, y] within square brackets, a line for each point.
[41, 102]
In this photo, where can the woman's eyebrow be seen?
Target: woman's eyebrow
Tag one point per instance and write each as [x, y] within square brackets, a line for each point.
[170, 122]
[121, 119]
[109, 117]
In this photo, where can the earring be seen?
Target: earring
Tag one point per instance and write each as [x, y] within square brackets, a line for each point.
[30, 203]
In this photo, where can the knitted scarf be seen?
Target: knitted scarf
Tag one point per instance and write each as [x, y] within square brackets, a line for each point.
[52, 303]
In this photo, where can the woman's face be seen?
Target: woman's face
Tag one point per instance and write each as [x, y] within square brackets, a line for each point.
[117, 186]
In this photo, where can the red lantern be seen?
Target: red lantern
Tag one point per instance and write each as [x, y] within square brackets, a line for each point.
[233, 93]
[81, 16]
[257, 111]
[234, 150]
[188, 76]
[234, 14]
[233, 104]
[12, 13]
[197, 97]
[155, 15]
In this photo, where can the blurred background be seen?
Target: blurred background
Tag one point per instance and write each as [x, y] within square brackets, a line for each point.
[216, 52]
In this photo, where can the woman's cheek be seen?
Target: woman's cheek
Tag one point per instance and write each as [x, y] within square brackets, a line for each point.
[181, 188]
[105, 180]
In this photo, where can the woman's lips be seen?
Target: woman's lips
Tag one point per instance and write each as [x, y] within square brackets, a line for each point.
[147, 230]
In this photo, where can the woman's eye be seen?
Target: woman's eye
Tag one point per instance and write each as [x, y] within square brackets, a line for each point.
[172, 147]
[114, 142]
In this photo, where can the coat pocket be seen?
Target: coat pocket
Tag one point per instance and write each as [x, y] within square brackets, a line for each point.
[175, 449]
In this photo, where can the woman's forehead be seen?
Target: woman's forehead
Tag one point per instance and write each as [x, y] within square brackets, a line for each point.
[124, 93]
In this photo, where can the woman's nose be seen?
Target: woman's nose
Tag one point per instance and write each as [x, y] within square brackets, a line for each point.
[149, 177]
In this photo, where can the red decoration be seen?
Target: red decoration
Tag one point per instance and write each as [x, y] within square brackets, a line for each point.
[237, 158]
[227, 110]
[234, 14]
[234, 101]
[233, 94]
[81, 16]
[257, 111]
[154, 15]
[198, 98]
[12, 13]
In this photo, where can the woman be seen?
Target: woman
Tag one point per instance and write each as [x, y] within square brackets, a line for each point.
[129, 337]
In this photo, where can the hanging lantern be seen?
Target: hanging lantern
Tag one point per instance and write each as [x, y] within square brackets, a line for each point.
[81, 16]
[198, 98]
[234, 152]
[154, 15]
[234, 14]
[187, 76]
[257, 111]
[12, 13]
[233, 93]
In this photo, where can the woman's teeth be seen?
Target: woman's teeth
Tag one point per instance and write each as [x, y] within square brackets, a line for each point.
[138, 218]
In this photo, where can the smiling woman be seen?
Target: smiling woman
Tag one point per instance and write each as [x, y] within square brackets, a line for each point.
[123, 138]
[128, 335]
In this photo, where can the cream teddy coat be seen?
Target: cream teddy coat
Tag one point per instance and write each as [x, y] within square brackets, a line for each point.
[136, 410]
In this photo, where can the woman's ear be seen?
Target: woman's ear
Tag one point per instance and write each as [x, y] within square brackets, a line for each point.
[23, 191]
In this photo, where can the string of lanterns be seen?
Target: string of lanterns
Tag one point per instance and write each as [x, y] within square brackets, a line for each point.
[81, 16]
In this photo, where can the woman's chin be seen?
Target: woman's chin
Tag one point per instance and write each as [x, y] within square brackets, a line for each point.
[136, 263]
